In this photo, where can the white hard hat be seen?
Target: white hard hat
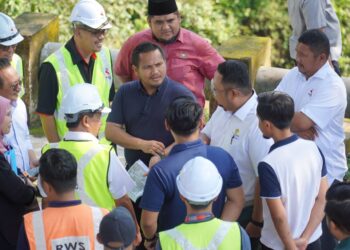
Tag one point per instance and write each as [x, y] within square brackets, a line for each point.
[199, 181]
[79, 98]
[90, 13]
[9, 34]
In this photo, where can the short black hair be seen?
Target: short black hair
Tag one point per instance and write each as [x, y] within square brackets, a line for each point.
[58, 167]
[317, 41]
[276, 107]
[144, 48]
[75, 124]
[183, 115]
[235, 74]
[338, 205]
[4, 63]
[199, 206]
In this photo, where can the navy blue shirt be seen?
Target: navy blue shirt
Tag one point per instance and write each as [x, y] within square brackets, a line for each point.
[161, 194]
[143, 115]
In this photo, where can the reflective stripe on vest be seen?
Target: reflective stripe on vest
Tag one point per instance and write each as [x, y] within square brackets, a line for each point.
[39, 229]
[222, 235]
[68, 74]
[83, 162]
[17, 64]
[92, 173]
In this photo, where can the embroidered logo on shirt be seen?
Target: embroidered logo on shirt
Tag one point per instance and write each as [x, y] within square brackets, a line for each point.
[235, 135]
[311, 91]
[108, 74]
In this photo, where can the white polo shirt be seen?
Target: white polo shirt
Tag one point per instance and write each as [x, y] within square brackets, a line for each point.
[292, 172]
[239, 134]
[119, 181]
[323, 99]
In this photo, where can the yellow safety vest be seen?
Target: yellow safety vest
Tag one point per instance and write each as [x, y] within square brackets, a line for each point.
[93, 163]
[17, 64]
[68, 75]
[210, 235]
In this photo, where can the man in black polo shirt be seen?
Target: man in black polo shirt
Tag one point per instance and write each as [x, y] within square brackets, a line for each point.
[81, 60]
[137, 120]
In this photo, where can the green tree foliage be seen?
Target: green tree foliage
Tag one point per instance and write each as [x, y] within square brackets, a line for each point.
[217, 20]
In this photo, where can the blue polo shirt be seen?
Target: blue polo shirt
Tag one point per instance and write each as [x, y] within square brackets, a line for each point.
[161, 194]
[143, 114]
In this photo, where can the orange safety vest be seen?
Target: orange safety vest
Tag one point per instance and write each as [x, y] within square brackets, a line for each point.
[71, 227]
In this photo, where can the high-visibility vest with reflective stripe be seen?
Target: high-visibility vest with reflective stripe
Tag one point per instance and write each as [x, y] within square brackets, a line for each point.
[71, 227]
[210, 235]
[92, 175]
[68, 75]
[17, 64]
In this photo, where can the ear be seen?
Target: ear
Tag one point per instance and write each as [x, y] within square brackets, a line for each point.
[323, 57]
[134, 68]
[167, 128]
[149, 21]
[47, 187]
[85, 121]
[98, 238]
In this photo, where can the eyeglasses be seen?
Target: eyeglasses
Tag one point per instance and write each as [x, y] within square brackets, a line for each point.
[7, 48]
[16, 85]
[95, 32]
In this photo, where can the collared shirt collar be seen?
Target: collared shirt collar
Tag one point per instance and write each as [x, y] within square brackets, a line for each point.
[200, 217]
[79, 136]
[344, 243]
[283, 142]
[186, 145]
[321, 73]
[160, 88]
[180, 37]
[14, 104]
[76, 56]
[64, 203]
[243, 111]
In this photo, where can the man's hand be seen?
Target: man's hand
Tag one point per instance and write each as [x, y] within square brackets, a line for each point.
[150, 245]
[33, 160]
[301, 243]
[153, 161]
[253, 231]
[138, 239]
[153, 147]
[309, 134]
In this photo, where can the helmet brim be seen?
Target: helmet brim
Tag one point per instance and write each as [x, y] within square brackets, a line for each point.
[17, 39]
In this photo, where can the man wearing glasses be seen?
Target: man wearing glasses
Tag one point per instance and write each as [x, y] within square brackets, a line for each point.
[11, 87]
[9, 38]
[82, 59]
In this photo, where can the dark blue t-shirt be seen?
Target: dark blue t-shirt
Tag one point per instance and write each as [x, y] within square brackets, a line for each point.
[143, 115]
[161, 194]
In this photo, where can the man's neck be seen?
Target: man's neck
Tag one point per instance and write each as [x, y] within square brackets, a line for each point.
[86, 55]
[184, 139]
[280, 135]
[69, 196]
